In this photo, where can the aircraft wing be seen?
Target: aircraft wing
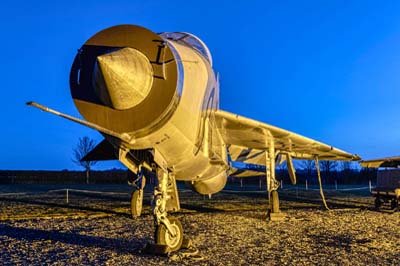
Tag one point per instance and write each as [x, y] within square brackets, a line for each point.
[382, 162]
[106, 131]
[252, 134]
[246, 156]
[244, 174]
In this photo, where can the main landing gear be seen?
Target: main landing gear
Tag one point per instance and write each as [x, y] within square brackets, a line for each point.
[136, 203]
[274, 213]
[137, 195]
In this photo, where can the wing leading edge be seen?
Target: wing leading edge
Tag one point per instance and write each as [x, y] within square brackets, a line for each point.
[249, 133]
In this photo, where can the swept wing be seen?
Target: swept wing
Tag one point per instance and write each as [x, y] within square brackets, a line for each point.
[251, 134]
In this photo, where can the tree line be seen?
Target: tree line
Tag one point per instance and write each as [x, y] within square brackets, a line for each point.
[331, 171]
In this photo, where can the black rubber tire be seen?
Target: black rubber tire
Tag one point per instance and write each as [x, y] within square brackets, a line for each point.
[136, 203]
[398, 204]
[162, 237]
[378, 203]
[275, 201]
[394, 204]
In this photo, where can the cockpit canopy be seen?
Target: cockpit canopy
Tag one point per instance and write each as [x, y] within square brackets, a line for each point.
[189, 40]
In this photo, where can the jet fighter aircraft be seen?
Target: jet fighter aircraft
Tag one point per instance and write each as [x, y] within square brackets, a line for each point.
[155, 99]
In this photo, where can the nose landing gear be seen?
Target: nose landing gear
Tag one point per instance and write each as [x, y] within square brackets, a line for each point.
[169, 231]
[173, 237]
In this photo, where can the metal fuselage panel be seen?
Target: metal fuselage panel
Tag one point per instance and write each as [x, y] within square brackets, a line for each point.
[178, 139]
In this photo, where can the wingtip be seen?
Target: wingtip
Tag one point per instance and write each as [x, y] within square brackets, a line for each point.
[35, 104]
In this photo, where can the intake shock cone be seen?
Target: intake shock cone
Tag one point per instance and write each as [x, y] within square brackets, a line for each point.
[125, 79]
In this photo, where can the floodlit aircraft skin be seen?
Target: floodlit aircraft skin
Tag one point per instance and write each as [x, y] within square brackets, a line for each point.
[393, 161]
[155, 99]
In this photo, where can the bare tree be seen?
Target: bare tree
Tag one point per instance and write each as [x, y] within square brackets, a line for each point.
[327, 167]
[282, 170]
[84, 146]
[308, 166]
[346, 166]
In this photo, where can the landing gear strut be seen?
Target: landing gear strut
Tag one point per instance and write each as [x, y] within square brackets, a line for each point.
[274, 213]
[169, 233]
[169, 230]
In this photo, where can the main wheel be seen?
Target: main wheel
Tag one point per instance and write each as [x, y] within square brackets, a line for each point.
[136, 203]
[163, 237]
[275, 201]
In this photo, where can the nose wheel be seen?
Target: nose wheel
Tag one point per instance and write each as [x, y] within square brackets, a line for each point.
[172, 238]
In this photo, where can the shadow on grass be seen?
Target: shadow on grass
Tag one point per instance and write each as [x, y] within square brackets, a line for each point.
[119, 245]
[65, 206]
[339, 241]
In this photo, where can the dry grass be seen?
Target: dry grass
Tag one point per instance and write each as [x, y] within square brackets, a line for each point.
[230, 229]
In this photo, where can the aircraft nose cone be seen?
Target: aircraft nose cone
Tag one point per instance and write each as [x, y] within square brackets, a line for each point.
[122, 79]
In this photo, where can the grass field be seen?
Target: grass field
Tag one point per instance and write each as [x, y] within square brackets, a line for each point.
[37, 226]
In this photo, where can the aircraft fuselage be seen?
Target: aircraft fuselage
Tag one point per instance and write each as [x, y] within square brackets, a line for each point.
[159, 91]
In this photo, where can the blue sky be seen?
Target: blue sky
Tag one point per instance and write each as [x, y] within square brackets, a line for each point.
[328, 70]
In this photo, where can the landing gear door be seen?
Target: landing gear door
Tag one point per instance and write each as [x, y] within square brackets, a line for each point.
[291, 169]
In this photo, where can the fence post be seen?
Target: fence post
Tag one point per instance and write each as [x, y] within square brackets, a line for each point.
[67, 196]
[306, 184]
[281, 183]
[335, 184]
[370, 186]
[259, 183]
[241, 182]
